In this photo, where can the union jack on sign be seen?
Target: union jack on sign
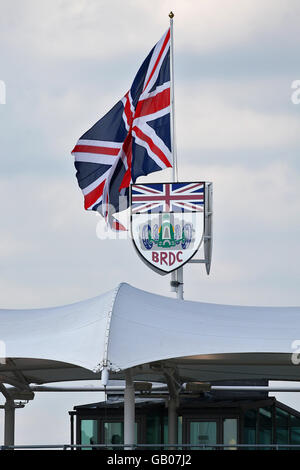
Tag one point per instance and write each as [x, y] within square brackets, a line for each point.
[131, 140]
[167, 222]
[167, 197]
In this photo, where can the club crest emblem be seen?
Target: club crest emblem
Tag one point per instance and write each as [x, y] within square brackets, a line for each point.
[167, 223]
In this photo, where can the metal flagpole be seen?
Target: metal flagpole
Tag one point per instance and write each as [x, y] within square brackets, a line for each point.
[172, 99]
[176, 276]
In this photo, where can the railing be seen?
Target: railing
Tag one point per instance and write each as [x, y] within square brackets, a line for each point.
[158, 447]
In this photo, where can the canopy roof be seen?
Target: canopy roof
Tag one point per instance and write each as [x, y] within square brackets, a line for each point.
[130, 328]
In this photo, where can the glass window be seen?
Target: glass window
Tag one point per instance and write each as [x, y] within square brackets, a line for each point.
[295, 430]
[265, 425]
[89, 431]
[114, 433]
[230, 433]
[282, 418]
[153, 430]
[165, 430]
[282, 429]
[203, 432]
[250, 426]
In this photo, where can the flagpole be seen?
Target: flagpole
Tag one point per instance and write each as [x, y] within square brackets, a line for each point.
[172, 99]
[176, 276]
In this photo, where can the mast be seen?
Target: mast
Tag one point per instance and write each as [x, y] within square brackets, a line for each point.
[172, 99]
[176, 276]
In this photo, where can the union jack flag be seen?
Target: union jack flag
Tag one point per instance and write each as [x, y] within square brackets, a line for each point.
[167, 197]
[131, 140]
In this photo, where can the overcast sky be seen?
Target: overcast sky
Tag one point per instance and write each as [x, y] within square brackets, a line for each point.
[67, 62]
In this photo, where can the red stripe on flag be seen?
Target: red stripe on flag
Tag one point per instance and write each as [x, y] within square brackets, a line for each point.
[139, 198]
[93, 196]
[190, 205]
[126, 179]
[152, 146]
[116, 225]
[145, 188]
[127, 110]
[159, 56]
[189, 189]
[153, 104]
[144, 207]
[92, 149]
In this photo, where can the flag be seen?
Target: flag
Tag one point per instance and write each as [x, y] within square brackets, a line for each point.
[131, 140]
[167, 197]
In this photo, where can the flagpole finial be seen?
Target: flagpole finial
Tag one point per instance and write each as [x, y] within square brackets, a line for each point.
[171, 14]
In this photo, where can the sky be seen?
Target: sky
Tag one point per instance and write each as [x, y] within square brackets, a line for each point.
[64, 64]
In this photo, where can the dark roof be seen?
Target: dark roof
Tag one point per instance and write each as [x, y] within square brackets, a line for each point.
[118, 401]
[205, 401]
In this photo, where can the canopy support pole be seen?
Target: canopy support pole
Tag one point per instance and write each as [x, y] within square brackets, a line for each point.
[172, 421]
[177, 282]
[129, 411]
[174, 387]
[10, 405]
[180, 281]
[9, 423]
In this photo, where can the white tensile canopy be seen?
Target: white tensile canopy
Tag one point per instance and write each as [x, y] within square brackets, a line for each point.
[130, 328]
[136, 335]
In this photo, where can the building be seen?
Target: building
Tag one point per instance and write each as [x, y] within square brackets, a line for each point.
[141, 338]
[229, 418]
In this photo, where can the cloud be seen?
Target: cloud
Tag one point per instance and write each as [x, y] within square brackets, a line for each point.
[209, 118]
[256, 233]
[103, 29]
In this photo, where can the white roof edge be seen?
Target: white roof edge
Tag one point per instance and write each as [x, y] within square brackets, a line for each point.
[105, 363]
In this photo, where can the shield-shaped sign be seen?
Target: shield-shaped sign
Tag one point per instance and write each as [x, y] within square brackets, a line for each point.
[167, 223]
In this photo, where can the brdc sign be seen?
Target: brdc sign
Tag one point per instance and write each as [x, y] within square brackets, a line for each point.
[167, 223]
